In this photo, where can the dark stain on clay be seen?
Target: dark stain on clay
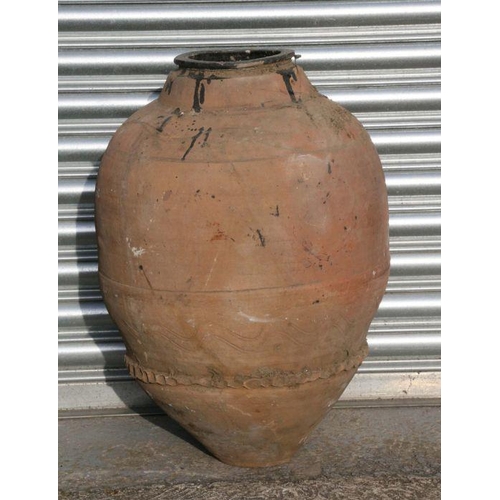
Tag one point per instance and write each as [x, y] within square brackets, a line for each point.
[287, 76]
[163, 123]
[261, 237]
[219, 235]
[199, 88]
[141, 268]
[175, 112]
[319, 256]
[196, 96]
[276, 213]
[207, 133]
[193, 141]
[330, 166]
[213, 77]
[202, 93]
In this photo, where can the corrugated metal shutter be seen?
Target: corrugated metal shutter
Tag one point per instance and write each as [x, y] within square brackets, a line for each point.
[381, 60]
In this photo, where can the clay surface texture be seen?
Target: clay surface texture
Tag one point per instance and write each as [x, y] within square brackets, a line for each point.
[242, 226]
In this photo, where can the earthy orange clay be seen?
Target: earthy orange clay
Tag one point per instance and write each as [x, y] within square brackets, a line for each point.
[242, 226]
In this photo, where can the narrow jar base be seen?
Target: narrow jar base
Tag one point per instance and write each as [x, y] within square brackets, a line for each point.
[242, 427]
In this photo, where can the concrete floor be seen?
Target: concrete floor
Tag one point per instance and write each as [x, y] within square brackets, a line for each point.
[356, 453]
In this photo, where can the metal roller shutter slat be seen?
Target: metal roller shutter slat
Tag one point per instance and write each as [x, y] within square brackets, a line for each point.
[381, 60]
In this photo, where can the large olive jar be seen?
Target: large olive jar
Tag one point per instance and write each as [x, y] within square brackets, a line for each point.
[242, 227]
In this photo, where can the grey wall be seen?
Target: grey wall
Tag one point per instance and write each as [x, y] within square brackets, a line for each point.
[381, 60]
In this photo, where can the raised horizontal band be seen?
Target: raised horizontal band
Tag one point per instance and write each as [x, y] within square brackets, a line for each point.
[263, 377]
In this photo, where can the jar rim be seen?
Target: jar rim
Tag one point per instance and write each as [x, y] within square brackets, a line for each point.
[233, 58]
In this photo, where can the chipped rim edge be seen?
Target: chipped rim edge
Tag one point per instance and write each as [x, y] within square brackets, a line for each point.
[220, 58]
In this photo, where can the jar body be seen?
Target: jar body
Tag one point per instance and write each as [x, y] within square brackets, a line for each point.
[242, 227]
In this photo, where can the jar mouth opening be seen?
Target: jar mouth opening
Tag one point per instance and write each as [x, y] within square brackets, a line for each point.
[232, 58]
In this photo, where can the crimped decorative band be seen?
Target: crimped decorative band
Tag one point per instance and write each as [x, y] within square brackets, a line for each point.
[263, 377]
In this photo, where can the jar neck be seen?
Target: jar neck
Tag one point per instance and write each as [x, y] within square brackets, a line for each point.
[234, 79]
[233, 58]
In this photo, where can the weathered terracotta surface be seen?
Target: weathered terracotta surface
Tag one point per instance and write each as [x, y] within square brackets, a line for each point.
[242, 226]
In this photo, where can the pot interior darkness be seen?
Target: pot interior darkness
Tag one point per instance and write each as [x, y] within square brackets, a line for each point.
[231, 58]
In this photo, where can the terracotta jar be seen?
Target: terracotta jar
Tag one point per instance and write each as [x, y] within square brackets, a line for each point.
[242, 225]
